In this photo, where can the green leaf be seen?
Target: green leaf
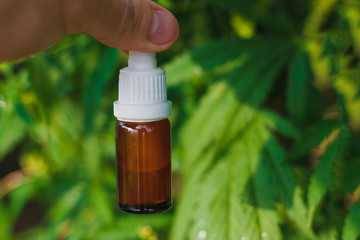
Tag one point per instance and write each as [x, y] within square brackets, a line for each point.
[228, 104]
[351, 229]
[284, 187]
[130, 227]
[100, 203]
[13, 114]
[311, 137]
[222, 189]
[328, 50]
[11, 130]
[237, 6]
[281, 124]
[42, 80]
[19, 197]
[347, 84]
[353, 19]
[5, 222]
[242, 188]
[322, 176]
[328, 234]
[352, 176]
[193, 63]
[65, 207]
[225, 131]
[318, 15]
[299, 77]
[95, 87]
[224, 55]
[187, 202]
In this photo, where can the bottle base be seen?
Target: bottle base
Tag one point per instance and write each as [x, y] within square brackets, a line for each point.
[146, 209]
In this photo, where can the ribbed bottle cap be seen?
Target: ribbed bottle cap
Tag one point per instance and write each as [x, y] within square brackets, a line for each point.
[142, 90]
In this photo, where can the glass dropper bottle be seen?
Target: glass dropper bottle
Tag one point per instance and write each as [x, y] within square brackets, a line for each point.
[143, 137]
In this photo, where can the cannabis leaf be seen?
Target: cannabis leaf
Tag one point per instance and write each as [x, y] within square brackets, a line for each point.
[351, 230]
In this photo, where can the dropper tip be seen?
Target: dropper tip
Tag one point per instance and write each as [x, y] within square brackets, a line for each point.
[142, 60]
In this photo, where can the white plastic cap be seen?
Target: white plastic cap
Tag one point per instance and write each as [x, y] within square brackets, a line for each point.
[142, 90]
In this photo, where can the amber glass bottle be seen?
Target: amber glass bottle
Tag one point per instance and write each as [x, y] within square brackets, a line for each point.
[143, 166]
[143, 137]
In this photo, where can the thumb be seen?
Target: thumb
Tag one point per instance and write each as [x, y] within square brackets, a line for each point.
[140, 25]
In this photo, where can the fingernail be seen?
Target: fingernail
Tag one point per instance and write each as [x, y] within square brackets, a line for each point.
[163, 28]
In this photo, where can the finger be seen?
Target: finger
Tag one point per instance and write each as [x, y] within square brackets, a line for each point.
[28, 26]
[140, 25]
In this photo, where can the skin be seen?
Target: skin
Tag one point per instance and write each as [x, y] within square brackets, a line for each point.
[29, 26]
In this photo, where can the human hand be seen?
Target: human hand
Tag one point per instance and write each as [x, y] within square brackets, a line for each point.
[29, 26]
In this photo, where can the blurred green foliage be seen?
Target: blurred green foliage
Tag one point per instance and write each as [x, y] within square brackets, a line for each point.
[266, 127]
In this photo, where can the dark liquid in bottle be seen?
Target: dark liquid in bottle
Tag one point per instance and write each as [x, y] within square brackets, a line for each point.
[143, 166]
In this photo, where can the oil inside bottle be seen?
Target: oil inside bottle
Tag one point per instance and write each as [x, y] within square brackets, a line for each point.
[143, 166]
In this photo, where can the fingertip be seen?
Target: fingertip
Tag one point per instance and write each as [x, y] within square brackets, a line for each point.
[164, 28]
[150, 28]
